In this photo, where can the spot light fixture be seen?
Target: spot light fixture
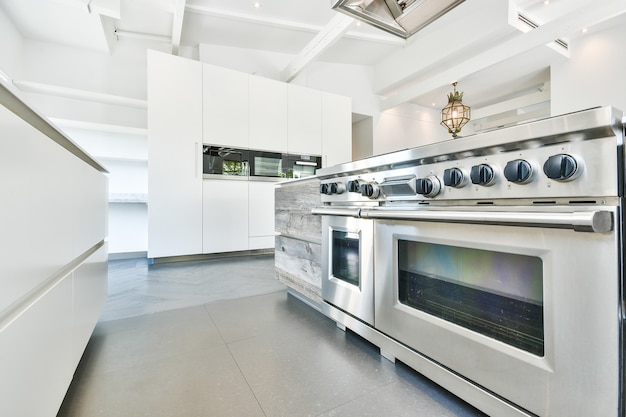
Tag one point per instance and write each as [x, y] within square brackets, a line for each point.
[455, 114]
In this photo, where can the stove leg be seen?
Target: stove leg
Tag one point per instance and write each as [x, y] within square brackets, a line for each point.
[387, 356]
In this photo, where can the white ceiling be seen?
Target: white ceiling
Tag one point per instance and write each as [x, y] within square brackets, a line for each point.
[287, 26]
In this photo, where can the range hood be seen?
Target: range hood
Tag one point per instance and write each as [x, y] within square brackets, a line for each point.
[399, 17]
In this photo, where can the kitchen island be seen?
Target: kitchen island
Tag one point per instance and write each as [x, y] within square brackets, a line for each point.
[299, 237]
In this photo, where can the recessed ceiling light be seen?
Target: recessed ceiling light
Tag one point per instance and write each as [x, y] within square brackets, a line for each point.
[546, 2]
[584, 30]
[257, 4]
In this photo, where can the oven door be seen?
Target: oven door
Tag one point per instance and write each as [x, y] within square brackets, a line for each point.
[527, 309]
[347, 265]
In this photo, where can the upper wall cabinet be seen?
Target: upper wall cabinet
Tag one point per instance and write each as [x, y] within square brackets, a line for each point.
[304, 120]
[225, 106]
[268, 114]
[336, 129]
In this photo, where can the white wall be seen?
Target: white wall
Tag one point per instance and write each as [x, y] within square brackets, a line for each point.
[10, 45]
[407, 126]
[121, 74]
[595, 73]
[362, 139]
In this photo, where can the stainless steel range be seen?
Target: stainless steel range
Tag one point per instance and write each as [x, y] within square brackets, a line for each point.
[492, 264]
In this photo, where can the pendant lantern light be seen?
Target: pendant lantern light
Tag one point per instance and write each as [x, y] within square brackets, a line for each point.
[455, 114]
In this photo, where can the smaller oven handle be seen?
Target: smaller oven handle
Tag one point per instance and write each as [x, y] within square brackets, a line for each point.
[343, 212]
[582, 221]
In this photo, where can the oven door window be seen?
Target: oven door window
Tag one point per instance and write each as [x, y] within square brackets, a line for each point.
[499, 295]
[345, 257]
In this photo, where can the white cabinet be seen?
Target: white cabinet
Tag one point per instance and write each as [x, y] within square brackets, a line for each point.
[174, 155]
[36, 360]
[89, 292]
[268, 114]
[225, 100]
[225, 216]
[336, 129]
[191, 103]
[304, 120]
[261, 214]
[53, 219]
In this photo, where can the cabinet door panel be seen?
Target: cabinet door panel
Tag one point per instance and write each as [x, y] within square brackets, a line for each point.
[268, 114]
[225, 216]
[225, 113]
[36, 360]
[36, 213]
[261, 212]
[305, 120]
[174, 168]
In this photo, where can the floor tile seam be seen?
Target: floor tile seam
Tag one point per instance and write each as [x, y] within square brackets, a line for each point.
[243, 375]
[219, 331]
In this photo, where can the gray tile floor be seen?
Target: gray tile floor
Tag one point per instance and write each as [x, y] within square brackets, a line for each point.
[249, 349]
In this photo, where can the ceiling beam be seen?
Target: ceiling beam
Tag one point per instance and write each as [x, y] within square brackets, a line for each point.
[110, 8]
[76, 94]
[177, 24]
[286, 24]
[145, 36]
[333, 31]
[588, 15]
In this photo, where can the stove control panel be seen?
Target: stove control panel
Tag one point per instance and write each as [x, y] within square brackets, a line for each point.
[563, 170]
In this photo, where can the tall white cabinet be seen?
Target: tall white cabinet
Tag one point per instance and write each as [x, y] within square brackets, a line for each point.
[174, 155]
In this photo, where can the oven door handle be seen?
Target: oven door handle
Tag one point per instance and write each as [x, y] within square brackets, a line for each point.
[581, 221]
[330, 211]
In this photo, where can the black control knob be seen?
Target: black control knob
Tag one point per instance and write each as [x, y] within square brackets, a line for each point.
[370, 190]
[353, 186]
[561, 167]
[428, 187]
[337, 188]
[518, 171]
[454, 177]
[482, 174]
[324, 189]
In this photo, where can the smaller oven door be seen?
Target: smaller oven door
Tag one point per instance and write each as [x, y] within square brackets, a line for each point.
[347, 265]
[530, 313]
